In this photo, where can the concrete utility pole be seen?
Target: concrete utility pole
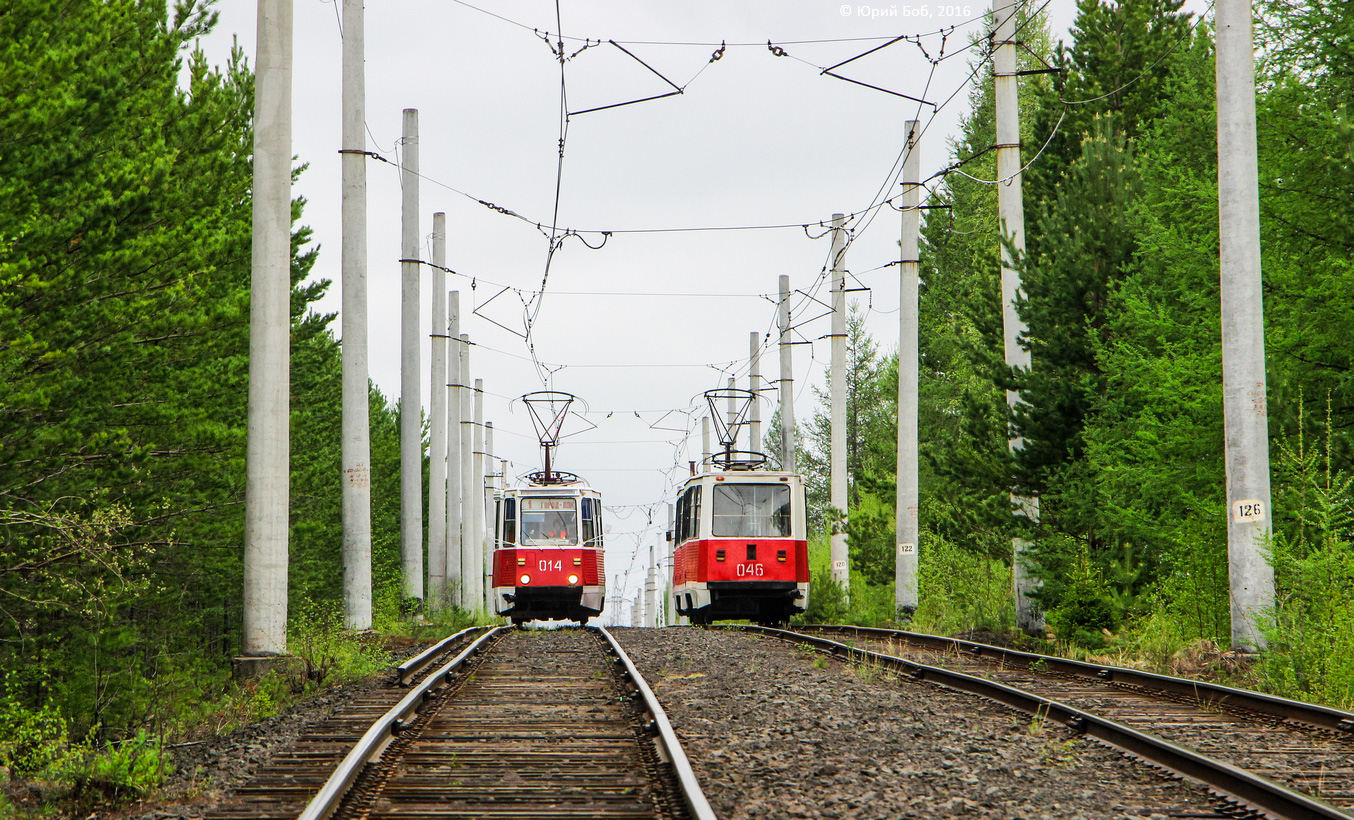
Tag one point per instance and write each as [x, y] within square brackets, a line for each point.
[617, 599]
[841, 567]
[755, 386]
[1011, 210]
[455, 579]
[487, 504]
[437, 432]
[411, 403]
[907, 530]
[267, 453]
[471, 594]
[787, 382]
[1244, 389]
[476, 500]
[356, 423]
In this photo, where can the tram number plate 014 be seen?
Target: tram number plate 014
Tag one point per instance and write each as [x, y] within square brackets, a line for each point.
[1248, 510]
[546, 566]
[751, 570]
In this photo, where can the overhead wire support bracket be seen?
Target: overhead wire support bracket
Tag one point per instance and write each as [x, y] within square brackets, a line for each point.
[677, 89]
[519, 334]
[829, 71]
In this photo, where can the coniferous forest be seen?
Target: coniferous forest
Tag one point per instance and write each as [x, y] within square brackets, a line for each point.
[124, 291]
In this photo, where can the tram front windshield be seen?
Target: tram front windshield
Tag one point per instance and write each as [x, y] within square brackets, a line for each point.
[752, 511]
[549, 521]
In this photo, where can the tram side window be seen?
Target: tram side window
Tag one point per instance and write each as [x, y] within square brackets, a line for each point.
[752, 511]
[509, 521]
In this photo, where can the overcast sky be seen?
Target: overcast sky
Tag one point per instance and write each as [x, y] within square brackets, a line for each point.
[645, 324]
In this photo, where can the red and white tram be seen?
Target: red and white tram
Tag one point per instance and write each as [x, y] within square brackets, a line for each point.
[740, 547]
[548, 560]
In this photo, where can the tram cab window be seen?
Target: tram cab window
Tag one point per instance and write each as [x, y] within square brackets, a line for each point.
[509, 521]
[549, 522]
[592, 524]
[688, 515]
[752, 511]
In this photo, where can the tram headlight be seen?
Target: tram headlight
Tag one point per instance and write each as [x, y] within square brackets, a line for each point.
[573, 579]
[526, 579]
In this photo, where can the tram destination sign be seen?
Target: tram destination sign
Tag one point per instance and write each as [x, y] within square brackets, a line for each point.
[547, 504]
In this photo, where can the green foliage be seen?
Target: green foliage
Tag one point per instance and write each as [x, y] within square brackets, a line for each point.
[1085, 247]
[827, 599]
[870, 532]
[31, 738]
[125, 232]
[962, 591]
[330, 653]
[1084, 613]
[120, 771]
[1311, 636]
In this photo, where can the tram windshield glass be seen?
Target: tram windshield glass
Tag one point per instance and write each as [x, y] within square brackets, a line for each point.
[548, 521]
[751, 511]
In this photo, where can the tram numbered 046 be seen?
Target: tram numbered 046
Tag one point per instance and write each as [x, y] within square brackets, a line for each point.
[548, 560]
[740, 550]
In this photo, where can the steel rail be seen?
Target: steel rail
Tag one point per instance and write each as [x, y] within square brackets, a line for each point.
[414, 665]
[1230, 781]
[667, 738]
[1207, 693]
[327, 800]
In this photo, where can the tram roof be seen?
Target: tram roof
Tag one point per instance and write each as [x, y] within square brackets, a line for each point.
[572, 488]
[746, 477]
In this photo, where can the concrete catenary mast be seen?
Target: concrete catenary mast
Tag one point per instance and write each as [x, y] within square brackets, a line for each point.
[841, 572]
[1011, 218]
[668, 610]
[356, 424]
[267, 450]
[475, 535]
[651, 592]
[787, 382]
[1244, 388]
[411, 403]
[907, 530]
[755, 387]
[487, 504]
[455, 579]
[705, 443]
[471, 593]
[437, 422]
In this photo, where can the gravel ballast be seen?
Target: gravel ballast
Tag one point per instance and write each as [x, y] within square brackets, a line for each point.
[775, 730]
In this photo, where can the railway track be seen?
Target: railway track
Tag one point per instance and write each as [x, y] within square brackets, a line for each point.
[1286, 758]
[540, 724]
[299, 771]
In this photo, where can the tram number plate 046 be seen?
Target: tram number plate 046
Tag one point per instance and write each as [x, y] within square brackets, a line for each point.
[751, 570]
[1248, 510]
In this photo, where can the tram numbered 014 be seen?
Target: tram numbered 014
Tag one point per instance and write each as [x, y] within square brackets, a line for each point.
[548, 559]
[739, 547]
